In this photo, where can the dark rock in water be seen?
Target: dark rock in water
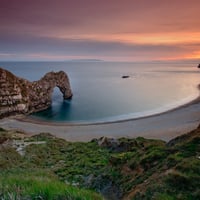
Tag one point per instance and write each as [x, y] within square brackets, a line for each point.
[20, 96]
[126, 76]
[198, 66]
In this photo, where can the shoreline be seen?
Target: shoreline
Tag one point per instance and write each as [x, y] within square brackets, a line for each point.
[34, 120]
[165, 126]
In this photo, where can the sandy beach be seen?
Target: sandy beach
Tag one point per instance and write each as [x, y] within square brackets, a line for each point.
[163, 126]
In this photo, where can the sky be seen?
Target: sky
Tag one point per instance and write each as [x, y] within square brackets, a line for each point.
[111, 30]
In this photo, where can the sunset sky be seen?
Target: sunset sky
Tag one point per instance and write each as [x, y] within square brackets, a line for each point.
[113, 30]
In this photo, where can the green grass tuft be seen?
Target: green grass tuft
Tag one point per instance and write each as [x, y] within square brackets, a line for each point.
[40, 185]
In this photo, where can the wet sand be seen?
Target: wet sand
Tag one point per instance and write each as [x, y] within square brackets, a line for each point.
[163, 126]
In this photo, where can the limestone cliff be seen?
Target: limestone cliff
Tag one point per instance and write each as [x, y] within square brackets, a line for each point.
[20, 96]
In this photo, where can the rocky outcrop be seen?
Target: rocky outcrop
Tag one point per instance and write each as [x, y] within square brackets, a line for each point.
[116, 145]
[125, 76]
[20, 96]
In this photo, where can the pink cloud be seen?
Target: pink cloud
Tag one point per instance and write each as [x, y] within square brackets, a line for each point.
[155, 22]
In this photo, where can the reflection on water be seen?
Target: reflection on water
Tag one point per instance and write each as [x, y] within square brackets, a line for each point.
[61, 110]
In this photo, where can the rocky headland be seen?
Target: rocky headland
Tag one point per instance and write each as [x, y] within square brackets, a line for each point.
[20, 96]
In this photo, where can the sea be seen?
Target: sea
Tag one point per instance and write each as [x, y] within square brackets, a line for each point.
[100, 94]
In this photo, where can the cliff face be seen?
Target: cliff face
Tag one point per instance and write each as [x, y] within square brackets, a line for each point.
[20, 96]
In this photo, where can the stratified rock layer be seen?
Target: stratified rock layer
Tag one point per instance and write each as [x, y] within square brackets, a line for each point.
[20, 96]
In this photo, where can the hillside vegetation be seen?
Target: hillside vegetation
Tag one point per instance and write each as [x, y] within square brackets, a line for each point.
[46, 167]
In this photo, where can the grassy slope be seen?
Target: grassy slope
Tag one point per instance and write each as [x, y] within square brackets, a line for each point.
[129, 168]
[33, 176]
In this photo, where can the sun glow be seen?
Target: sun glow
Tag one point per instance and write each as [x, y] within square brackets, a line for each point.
[153, 39]
[194, 55]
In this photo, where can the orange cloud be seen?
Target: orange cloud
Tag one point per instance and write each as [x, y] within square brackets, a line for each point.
[193, 55]
[153, 39]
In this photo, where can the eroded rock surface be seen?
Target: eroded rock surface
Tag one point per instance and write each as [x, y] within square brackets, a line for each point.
[20, 96]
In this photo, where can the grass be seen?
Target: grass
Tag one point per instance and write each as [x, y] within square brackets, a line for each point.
[176, 175]
[141, 168]
[70, 161]
[40, 185]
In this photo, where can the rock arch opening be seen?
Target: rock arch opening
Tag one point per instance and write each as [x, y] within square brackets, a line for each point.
[22, 96]
[57, 95]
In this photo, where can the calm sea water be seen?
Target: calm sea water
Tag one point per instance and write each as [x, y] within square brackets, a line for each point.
[100, 94]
